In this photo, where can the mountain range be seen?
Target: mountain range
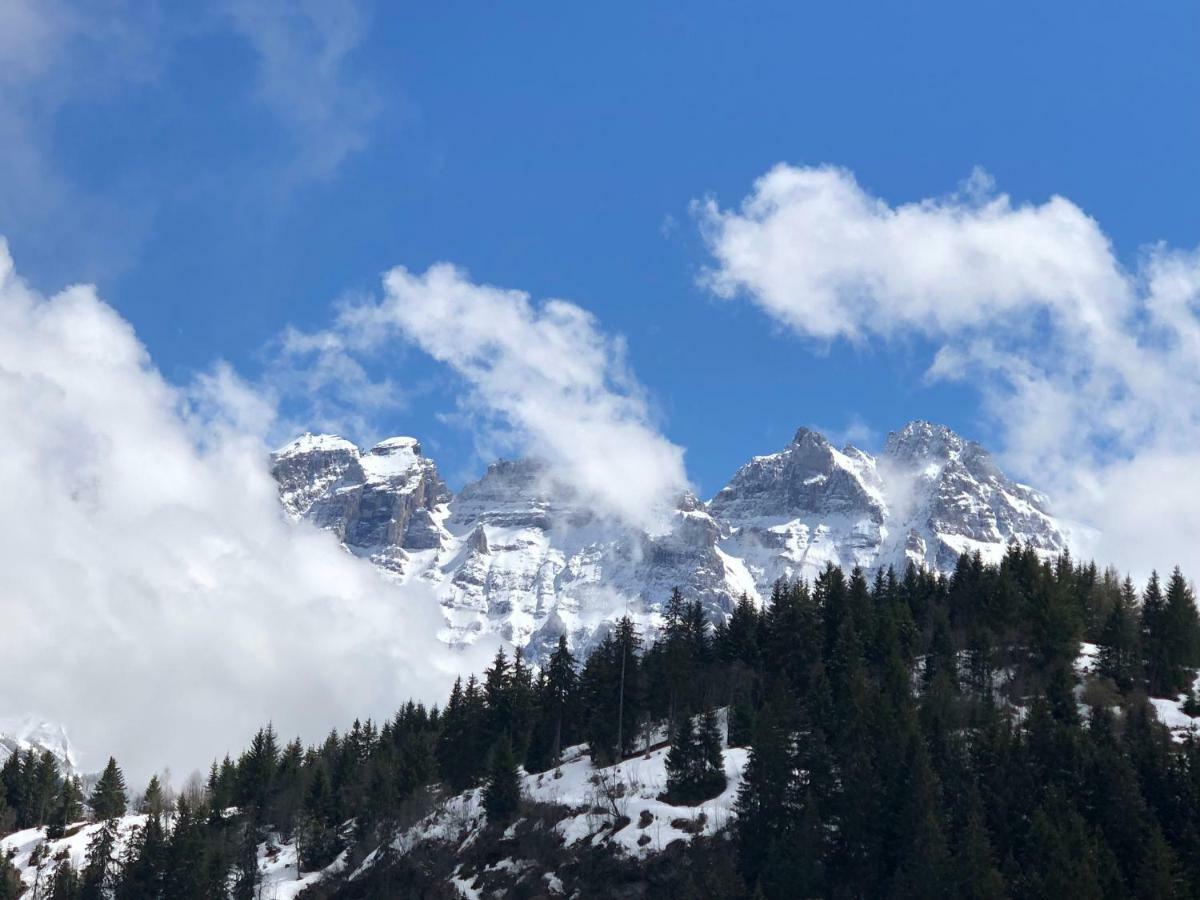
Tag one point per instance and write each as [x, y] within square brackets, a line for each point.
[524, 556]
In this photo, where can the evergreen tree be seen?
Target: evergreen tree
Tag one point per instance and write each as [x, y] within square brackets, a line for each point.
[154, 801]
[64, 881]
[976, 875]
[1181, 638]
[11, 886]
[100, 873]
[67, 809]
[766, 806]
[502, 793]
[682, 763]
[497, 698]
[1120, 656]
[1156, 653]
[561, 685]
[256, 771]
[245, 870]
[319, 842]
[109, 800]
[143, 877]
[186, 859]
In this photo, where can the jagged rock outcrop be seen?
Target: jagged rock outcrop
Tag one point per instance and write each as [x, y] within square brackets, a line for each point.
[521, 555]
[382, 504]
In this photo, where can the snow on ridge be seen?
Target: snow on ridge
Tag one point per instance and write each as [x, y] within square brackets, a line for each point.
[520, 556]
[314, 443]
[21, 733]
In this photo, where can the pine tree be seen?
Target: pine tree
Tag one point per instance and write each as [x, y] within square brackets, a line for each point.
[765, 807]
[682, 763]
[711, 778]
[318, 839]
[256, 771]
[109, 800]
[521, 705]
[186, 859]
[924, 859]
[502, 793]
[42, 787]
[100, 868]
[67, 809]
[154, 801]
[144, 875]
[245, 870]
[11, 886]
[561, 685]
[554, 713]
[1155, 651]
[1181, 639]
[976, 874]
[1120, 656]
[497, 698]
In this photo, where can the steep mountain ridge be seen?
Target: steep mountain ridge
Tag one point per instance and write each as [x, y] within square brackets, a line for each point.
[519, 554]
[20, 734]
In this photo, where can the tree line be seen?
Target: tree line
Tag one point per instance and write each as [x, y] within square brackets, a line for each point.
[909, 735]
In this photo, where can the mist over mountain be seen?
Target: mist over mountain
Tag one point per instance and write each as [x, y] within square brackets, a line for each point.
[522, 555]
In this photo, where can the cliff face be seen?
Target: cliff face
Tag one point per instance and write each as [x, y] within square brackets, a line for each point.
[518, 554]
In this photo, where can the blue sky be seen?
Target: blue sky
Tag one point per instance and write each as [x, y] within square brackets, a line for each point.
[224, 177]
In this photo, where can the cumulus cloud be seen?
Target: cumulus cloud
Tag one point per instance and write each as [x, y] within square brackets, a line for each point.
[1088, 369]
[543, 377]
[152, 597]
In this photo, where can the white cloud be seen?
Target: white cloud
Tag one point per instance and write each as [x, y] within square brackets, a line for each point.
[1089, 370]
[152, 597]
[545, 375]
[304, 51]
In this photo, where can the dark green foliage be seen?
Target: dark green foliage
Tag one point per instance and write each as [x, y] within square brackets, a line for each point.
[695, 764]
[612, 695]
[65, 883]
[502, 793]
[68, 807]
[10, 880]
[911, 735]
[109, 800]
[100, 869]
[1120, 652]
[557, 699]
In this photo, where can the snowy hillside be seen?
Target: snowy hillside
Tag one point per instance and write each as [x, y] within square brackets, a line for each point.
[616, 808]
[36, 858]
[517, 553]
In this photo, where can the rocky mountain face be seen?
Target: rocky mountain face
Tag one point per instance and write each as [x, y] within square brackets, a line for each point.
[519, 554]
[20, 734]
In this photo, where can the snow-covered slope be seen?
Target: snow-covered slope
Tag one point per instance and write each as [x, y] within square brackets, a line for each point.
[35, 857]
[520, 555]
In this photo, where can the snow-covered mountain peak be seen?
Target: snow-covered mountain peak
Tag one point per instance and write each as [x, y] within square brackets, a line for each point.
[920, 441]
[21, 733]
[523, 555]
[807, 476]
[315, 443]
[395, 458]
[382, 504]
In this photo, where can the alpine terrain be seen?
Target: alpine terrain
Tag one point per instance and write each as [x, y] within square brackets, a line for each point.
[520, 554]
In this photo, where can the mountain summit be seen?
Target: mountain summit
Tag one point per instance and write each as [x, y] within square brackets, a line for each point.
[518, 554]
